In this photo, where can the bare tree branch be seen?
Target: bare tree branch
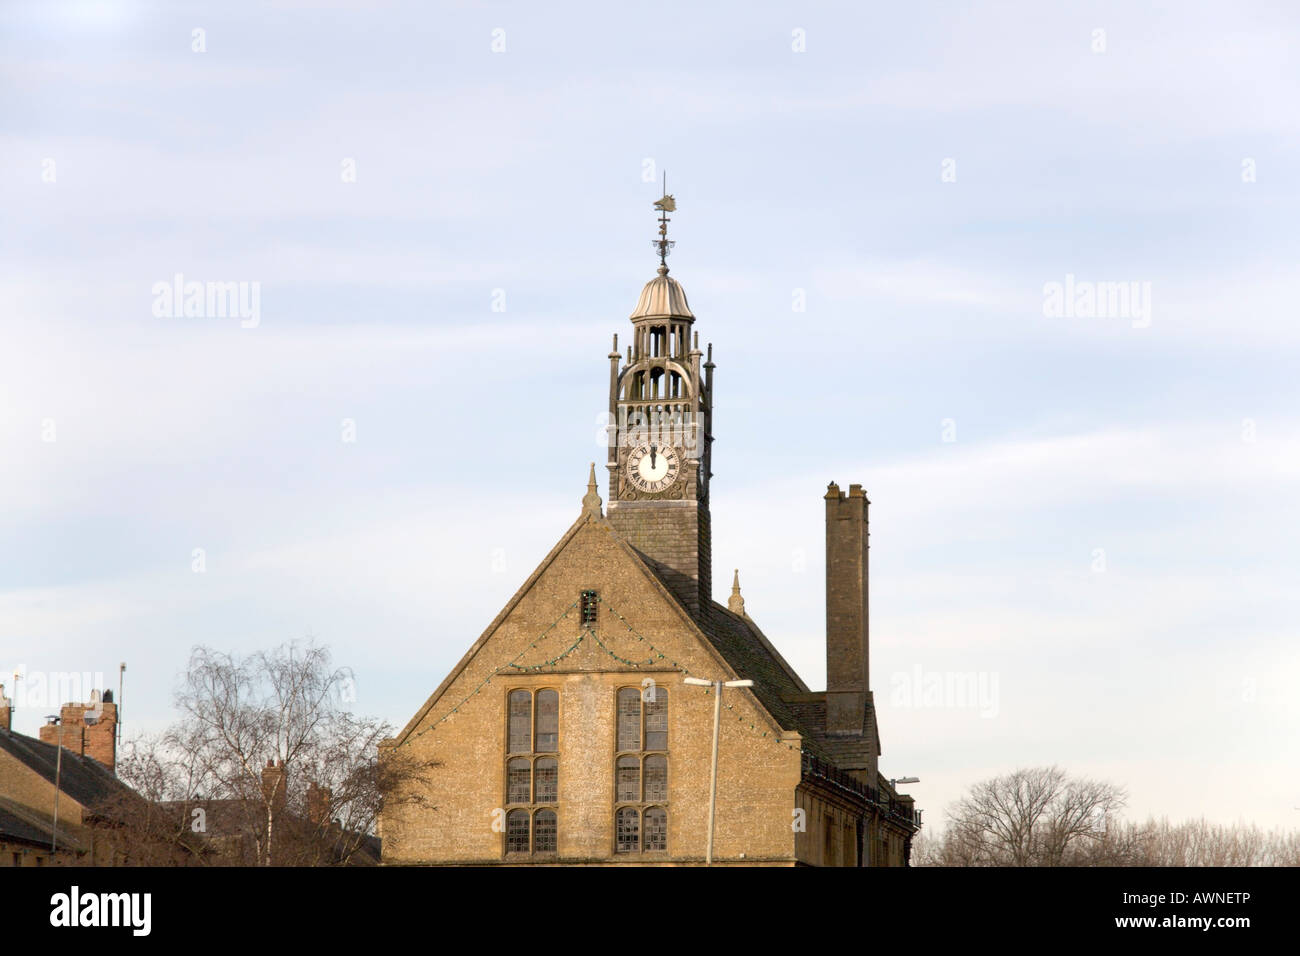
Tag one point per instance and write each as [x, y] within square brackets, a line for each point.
[269, 761]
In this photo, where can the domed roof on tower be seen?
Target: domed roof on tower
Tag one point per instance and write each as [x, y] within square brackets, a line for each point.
[663, 297]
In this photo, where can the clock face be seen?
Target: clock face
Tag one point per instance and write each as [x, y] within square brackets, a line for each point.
[652, 466]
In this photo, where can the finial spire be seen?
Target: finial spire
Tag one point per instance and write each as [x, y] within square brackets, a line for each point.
[591, 500]
[736, 603]
[665, 205]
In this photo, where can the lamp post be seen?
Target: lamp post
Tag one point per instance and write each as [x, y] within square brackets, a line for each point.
[893, 785]
[717, 686]
[58, 772]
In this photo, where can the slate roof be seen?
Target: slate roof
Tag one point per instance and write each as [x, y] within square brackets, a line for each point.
[84, 779]
[777, 686]
[850, 753]
[736, 639]
[20, 825]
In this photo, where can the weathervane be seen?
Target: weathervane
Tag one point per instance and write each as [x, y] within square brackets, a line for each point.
[663, 243]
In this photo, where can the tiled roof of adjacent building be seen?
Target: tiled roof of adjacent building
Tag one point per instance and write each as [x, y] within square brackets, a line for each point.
[20, 825]
[84, 779]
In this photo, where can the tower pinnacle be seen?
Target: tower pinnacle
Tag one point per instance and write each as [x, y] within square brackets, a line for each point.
[591, 500]
[736, 603]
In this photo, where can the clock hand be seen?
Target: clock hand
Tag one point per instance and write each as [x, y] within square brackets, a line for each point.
[652, 456]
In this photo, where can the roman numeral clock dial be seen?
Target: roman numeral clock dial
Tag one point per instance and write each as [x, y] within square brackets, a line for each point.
[653, 467]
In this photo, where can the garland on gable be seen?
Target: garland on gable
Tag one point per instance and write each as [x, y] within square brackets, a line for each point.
[655, 656]
[487, 680]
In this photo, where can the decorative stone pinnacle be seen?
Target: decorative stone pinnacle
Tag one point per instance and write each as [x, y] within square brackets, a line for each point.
[736, 603]
[591, 500]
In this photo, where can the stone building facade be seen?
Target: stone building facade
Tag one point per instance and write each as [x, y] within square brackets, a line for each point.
[566, 733]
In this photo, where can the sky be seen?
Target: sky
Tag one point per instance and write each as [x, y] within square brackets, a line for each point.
[1083, 520]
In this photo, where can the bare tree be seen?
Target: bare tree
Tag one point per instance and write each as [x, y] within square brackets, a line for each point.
[143, 826]
[1039, 816]
[266, 765]
[1044, 817]
[1202, 843]
[927, 849]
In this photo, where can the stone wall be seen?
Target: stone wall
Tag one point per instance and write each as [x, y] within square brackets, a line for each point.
[757, 774]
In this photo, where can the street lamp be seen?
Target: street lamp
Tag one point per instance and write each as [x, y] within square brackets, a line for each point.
[717, 686]
[58, 772]
[897, 780]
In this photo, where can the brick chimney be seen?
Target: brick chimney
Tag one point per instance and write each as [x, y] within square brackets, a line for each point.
[847, 647]
[89, 729]
[274, 783]
[318, 804]
[6, 711]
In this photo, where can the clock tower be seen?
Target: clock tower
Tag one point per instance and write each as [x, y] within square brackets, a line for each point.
[661, 417]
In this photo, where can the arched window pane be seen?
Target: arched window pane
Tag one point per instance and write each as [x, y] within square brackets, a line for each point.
[544, 831]
[656, 778]
[518, 780]
[548, 721]
[656, 829]
[521, 722]
[547, 780]
[656, 719]
[517, 831]
[629, 719]
[628, 830]
[629, 778]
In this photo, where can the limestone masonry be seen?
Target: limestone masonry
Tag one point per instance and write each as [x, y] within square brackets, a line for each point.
[566, 734]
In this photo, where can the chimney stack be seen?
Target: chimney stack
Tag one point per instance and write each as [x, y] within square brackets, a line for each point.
[318, 804]
[274, 783]
[847, 646]
[6, 711]
[89, 730]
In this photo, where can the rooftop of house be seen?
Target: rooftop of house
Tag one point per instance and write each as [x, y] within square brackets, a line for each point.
[82, 778]
[242, 816]
[19, 824]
